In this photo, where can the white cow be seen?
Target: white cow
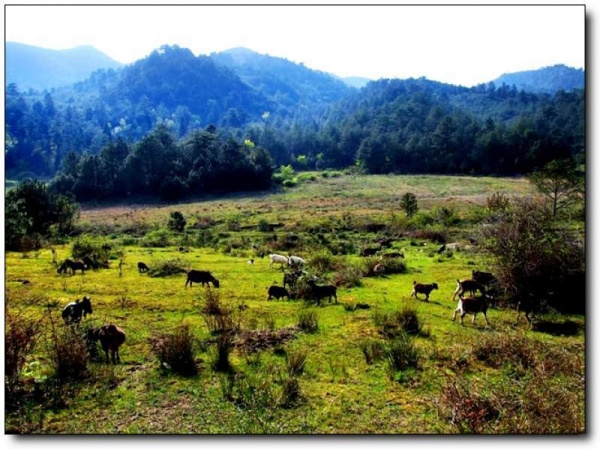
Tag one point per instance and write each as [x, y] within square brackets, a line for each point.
[278, 258]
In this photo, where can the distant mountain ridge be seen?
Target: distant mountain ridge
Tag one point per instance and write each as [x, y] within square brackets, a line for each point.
[38, 68]
[545, 80]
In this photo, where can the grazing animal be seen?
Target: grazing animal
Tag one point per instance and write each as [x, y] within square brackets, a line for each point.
[484, 278]
[277, 292]
[393, 255]
[89, 263]
[296, 262]
[142, 267]
[424, 289]
[250, 262]
[468, 285]
[441, 249]
[72, 265]
[473, 306]
[279, 259]
[322, 291]
[200, 276]
[379, 269]
[366, 252]
[111, 337]
[74, 310]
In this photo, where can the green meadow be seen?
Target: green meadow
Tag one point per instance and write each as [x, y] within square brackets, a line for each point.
[348, 373]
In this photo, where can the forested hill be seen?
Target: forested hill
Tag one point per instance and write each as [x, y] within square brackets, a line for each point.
[548, 79]
[290, 84]
[40, 68]
[301, 117]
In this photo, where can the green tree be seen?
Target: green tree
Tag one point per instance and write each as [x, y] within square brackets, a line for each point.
[176, 222]
[560, 182]
[408, 203]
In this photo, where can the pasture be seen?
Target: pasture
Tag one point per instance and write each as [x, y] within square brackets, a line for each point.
[282, 376]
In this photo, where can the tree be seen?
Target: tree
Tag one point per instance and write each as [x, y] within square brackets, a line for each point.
[176, 222]
[408, 203]
[32, 208]
[560, 182]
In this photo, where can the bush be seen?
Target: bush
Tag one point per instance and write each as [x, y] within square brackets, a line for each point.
[97, 252]
[166, 268]
[20, 339]
[68, 353]
[175, 351]
[176, 222]
[159, 238]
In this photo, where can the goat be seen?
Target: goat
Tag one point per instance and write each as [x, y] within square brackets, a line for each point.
[322, 291]
[379, 269]
[74, 310]
[89, 263]
[278, 258]
[296, 262]
[370, 251]
[111, 337]
[142, 267]
[75, 265]
[203, 277]
[277, 292]
[468, 285]
[484, 278]
[472, 306]
[424, 289]
[393, 255]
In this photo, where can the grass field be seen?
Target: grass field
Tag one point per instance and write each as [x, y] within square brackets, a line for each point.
[452, 383]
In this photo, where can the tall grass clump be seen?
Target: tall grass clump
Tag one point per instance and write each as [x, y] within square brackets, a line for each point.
[296, 361]
[21, 337]
[372, 350]
[166, 268]
[405, 320]
[175, 351]
[308, 320]
[68, 352]
[401, 354]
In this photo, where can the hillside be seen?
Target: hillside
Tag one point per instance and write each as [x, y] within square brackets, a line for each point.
[545, 80]
[40, 68]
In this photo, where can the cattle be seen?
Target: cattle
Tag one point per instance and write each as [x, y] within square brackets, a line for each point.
[73, 311]
[277, 292]
[278, 259]
[72, 265]
[142, 267]
[202, 277]
[111, 337]
[367, 252]
[424, 289]
[322, 291]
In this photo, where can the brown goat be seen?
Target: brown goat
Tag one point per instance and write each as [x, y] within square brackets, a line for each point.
[111, 337]
[468, 285]
[423, 288]
[472, 306]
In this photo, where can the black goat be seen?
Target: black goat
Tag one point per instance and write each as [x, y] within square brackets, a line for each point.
[322, 291]
[202, 277]
[277, 292]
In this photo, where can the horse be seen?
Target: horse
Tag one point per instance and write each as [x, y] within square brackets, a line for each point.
[74, 310]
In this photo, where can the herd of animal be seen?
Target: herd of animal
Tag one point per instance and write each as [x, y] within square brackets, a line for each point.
[111, 336]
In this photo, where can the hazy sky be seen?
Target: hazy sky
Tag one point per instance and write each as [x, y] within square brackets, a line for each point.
[463, 45]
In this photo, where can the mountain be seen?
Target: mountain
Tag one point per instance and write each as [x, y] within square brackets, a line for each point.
[288, 83]
[545, 80]
[39, 68]
[356, 81]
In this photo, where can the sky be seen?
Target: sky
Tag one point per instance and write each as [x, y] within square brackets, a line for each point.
[462, 45]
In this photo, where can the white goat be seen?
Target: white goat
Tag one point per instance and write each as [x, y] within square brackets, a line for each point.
[278, 258]
[296, 262]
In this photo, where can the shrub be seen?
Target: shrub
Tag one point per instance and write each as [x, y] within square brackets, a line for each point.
[224, 348]
[20, 339]
[308, 321]
[159, 238]
[290, 393]
[85, 247]
[166, 268]
[408, 203]
[68, 353]
[175, 351]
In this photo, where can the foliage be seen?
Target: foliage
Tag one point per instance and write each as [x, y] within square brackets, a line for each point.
[98, 253]
[32, 208]
[408, 203]
[175, 351]
[560, 182]
[401, 354]
[21, 337]
[166, 268]
[176, 222]
[308, 320]
[537, 262]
